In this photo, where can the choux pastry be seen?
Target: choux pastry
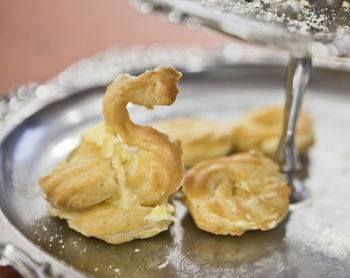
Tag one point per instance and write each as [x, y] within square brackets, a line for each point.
[116, 184]
[200, 139]
[260, 129]
[235, 194]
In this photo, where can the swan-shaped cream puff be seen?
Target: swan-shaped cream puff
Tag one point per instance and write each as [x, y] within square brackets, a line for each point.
[116, 184]
[234, 194]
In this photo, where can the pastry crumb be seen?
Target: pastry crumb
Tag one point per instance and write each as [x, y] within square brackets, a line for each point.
[345, 5]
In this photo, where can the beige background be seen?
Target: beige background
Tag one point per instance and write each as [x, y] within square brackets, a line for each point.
[39, 38]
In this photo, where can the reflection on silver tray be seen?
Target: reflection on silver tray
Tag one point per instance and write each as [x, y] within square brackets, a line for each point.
[311, 242]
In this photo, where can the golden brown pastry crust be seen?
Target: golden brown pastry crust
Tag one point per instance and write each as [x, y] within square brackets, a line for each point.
[68, 186]
[260, 129]
[234, 194]
[116, 184]
[158, 158]
[115, 224]
[200, 139]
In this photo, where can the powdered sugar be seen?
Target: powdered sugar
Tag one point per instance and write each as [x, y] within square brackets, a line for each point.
[297, 16]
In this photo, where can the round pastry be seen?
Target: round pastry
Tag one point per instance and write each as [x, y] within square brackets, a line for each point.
[261, 129]
[200, 139]
[234, 194]
[116, 184]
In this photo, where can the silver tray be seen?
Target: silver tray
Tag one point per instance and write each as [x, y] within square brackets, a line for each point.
[41, 124]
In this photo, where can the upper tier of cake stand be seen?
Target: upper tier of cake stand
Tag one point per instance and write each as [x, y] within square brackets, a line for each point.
[317, 28]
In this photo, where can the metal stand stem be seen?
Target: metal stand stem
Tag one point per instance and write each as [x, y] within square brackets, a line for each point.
[286, 154]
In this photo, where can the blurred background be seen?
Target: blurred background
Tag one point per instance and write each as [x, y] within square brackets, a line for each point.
[40, 38]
